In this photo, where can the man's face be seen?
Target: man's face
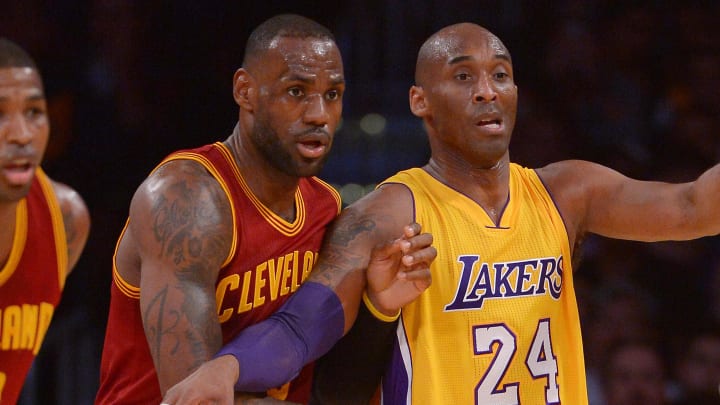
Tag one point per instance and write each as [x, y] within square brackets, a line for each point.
[299, 104]
[24, 130]
[471, 95]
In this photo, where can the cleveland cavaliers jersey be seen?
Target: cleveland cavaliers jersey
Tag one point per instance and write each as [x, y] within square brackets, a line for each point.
[31, 282]
[499, 325]
[268, 261]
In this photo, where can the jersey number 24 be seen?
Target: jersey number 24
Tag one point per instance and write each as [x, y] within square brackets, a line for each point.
[540, 362]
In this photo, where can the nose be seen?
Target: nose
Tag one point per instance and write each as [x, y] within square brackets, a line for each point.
[316, 111]
[484, 91]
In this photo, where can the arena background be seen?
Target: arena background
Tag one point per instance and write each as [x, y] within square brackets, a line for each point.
[633, 85]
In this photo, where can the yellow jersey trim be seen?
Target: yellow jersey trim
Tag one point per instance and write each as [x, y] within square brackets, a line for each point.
[61, 249]
[18, 245]
[277, 222]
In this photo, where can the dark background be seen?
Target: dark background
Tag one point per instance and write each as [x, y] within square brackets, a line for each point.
[634, 85]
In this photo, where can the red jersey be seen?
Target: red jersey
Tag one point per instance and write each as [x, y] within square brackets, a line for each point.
[31, 282]
[268, 261]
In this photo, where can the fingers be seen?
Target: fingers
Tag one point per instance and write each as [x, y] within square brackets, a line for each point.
[412, 230]
[417, 242]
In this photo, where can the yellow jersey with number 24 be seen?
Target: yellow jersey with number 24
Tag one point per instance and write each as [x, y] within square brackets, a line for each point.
[499, 325]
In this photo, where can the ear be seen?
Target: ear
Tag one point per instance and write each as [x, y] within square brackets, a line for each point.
[243, 89]
[418, 104]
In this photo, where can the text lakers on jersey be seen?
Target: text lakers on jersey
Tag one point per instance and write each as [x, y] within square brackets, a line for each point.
[506, 280]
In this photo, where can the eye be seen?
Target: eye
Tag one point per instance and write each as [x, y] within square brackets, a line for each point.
[332, 95]
[295, 92]
[34, 112]
[501, 75]
[462, 76]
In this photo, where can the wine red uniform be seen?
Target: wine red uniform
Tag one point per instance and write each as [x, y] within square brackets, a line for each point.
[31, 282]
[268, 261]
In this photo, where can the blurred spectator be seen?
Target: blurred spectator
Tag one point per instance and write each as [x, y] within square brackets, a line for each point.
[697, 369]
[634, 374]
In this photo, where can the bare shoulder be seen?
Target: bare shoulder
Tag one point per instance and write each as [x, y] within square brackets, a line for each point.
[178, 208]
[76, 219]
[573, 179]
[577, 185]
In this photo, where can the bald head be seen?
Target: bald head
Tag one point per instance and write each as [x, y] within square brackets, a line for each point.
[284, 25]
[13, 56]
[453, 42]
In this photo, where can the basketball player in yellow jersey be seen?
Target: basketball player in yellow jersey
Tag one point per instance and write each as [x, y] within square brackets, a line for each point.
[500, 319]
[499, 325]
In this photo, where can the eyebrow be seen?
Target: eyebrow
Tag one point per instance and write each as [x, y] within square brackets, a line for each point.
[334, 79]
[33, 97]
[463, 58]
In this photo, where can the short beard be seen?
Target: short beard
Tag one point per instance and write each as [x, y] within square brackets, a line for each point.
[267, 142]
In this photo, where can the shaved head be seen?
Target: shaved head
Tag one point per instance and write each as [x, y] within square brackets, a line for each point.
[284, 25]
[452, 42]
[13, 56]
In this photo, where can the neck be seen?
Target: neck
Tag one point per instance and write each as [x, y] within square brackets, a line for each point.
[274, 189]
[488, 186]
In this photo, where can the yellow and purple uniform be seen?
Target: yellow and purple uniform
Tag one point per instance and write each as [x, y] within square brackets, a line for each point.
[268, 261]
[31, 282]
[499, 324]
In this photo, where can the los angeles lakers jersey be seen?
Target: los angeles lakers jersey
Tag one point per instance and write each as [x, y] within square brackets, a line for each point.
[499, 325]
[31, 282]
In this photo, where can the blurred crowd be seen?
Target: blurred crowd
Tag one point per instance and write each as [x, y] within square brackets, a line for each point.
[634, 85]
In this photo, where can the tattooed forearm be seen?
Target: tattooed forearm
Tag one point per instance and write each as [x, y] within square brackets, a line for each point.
[343, 250]
[160, 326]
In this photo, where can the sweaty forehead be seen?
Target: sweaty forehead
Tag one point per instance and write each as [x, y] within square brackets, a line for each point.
[20, 77]
[455, 43]
[304, 53]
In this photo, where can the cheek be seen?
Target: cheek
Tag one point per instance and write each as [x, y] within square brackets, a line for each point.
[41, 136]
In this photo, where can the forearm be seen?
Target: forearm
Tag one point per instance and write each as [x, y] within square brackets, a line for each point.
[272, 352]
[705, 196]
[180, 337]
[351, 371]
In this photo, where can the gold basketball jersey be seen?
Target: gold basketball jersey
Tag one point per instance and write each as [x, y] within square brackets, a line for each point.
[499, 325]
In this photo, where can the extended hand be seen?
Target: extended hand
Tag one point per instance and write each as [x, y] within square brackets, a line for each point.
[399, 271]
[211, 383]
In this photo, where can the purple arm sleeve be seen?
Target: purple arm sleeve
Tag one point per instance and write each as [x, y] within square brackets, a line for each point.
[273, 352]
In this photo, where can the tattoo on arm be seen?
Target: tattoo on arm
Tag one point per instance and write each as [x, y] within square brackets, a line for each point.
[162, 328]
[190, 223]
[336, 257]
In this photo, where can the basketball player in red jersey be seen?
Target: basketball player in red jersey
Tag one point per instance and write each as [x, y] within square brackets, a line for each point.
[220, 237]
[43, 224]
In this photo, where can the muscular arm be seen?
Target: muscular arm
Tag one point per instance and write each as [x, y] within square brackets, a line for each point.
[594, 198]
[181, 223]
[76, 220]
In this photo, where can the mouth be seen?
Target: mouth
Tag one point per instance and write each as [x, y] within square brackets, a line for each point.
[18, 172]
[490, 123]
[313, 145]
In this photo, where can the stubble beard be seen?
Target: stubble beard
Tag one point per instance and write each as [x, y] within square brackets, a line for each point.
[267, 142]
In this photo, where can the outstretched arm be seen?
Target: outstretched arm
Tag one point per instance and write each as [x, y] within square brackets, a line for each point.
[596, 199]
[324, 308]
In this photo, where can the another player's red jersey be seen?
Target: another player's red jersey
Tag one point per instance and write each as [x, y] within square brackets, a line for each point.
[269, 260]
[31, 282]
